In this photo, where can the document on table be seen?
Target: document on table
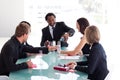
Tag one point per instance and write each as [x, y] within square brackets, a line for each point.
[41, 78]
[69, 57]
[40, 63]
[68, 76]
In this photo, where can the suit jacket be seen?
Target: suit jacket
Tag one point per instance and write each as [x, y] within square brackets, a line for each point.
[59, 30]
[96, 66]
[11, 52]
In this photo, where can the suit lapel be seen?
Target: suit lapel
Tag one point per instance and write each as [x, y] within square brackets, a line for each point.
[55, 31]
[48, 31]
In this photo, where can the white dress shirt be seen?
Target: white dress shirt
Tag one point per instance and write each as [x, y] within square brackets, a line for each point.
[51, 30]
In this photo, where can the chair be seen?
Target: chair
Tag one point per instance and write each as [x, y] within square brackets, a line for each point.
[4, 77]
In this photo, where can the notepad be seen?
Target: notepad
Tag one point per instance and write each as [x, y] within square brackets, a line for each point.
[69, 57]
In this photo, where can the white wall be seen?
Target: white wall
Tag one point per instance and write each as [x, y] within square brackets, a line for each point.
[11, 13]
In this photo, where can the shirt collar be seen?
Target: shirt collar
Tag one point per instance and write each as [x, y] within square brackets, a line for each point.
[50, 27]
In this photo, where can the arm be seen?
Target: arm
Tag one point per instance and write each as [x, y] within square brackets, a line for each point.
[93, 61]
[28, 44]
[81, 68]
[69, 30]
[42, 39]
[10, 58]
[77, 49]
[83, 63]
[35, 49]
[81, 44]
[24, 53]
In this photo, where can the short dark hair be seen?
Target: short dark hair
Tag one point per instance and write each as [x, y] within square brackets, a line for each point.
[22, 29]
[49, 14]
[83, 23]
[26, 23]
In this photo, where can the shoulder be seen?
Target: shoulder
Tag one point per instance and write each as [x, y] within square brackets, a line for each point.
[44, 29]
[60, 22]
[9, 45]
[98, 48]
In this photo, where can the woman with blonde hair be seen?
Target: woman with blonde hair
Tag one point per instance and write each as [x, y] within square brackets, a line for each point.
[96, 65]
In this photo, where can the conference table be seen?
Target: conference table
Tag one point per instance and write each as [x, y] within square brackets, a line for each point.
[47, 72]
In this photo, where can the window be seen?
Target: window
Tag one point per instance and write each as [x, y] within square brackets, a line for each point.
[67, 11]
[102, 13]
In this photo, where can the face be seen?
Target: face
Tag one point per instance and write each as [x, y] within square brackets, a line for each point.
[25, 36]
[51, 20]
[78, 26]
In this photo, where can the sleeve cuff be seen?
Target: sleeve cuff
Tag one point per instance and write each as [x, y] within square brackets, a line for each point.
[74, 66]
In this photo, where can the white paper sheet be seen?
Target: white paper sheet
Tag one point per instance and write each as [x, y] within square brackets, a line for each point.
[69, 57]
[41, 78]
[40, 63]
[69, 76]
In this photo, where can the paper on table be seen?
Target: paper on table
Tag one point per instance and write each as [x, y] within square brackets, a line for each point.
[69, 57]
[69, 76]
[41, 78]
[40, 63]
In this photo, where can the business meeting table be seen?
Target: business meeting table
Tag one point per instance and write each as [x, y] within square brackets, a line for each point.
[45, 71]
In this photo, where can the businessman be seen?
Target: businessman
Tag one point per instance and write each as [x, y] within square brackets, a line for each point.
[14, 49]
[56, 31]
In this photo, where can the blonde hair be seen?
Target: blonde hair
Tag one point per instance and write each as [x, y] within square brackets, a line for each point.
[92, 34]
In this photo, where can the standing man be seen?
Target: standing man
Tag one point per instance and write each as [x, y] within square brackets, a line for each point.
[14, 49]
[55, 31]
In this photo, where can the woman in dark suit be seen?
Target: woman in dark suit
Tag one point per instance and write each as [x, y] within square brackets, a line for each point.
[96, 65]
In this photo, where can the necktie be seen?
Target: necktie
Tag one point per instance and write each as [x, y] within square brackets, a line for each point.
[53, 32]
[53, 28]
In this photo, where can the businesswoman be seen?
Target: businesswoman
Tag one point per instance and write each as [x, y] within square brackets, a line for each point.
[96, 65]
[82, 47]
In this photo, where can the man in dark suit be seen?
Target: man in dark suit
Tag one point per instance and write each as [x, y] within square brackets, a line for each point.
[15, 48]
[56, 31]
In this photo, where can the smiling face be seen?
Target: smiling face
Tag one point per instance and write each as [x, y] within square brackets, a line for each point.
[51, 20]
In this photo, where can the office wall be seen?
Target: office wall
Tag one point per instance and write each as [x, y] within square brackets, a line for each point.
[11, 13]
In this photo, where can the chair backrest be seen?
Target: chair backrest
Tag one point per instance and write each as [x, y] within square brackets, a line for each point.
[4, 78]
